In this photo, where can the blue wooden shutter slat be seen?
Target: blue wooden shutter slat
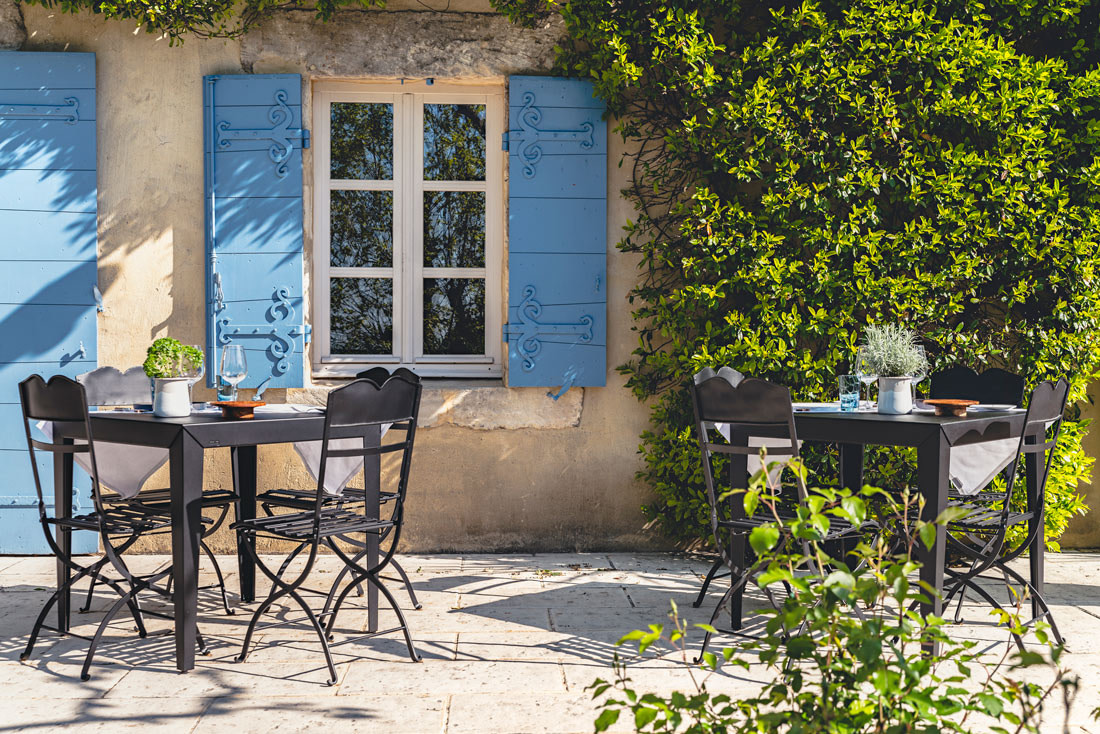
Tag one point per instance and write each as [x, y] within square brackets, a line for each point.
[557, 234]
[48, 263]
[254, 234]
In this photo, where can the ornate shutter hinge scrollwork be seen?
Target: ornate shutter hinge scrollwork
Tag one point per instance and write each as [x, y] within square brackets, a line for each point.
[529, 136]
[280, 330]
[282, 135]
[527, 329]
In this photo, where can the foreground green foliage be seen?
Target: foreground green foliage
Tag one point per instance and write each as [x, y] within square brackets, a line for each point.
[804, 169]
[178, 19]
[833, 670]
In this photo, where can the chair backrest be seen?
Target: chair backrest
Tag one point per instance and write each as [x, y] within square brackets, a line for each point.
[358, 410]
[1046, 408]
[992, 386]
[63, 402]
[109, 386]
[381, 374]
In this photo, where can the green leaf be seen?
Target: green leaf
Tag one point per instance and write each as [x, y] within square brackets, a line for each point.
[763, 538]
[606, 718]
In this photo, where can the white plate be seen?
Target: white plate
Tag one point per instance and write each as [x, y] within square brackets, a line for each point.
[817, 407]
[992, 406]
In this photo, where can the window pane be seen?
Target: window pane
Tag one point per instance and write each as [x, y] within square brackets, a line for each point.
[362, 141]
[454, 229]
[454, 142]
[361, 229]
[454, 316]
[361, 316]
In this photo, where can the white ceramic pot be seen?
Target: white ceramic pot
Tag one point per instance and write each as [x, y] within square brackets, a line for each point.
[895, 395]
[172, 397]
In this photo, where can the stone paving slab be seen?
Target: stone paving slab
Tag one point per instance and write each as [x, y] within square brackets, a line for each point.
[510, 643]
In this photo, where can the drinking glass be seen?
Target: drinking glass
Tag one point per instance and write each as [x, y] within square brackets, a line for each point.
[849, 392]
[863, 368]
[921, 373]
[234, 367]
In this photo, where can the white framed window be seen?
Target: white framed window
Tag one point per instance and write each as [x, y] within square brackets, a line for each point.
[408, 230]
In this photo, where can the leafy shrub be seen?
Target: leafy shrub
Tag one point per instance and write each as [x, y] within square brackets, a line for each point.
[891, 351]
[802, 169]
[167, 357]
[831, 669]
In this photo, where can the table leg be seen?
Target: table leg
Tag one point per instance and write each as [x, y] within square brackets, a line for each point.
[851, 466]
[244, 483]
[185, 456]
[933, 458]
[63, 507]
[739, 479]
[1037, 525]
[372, 475]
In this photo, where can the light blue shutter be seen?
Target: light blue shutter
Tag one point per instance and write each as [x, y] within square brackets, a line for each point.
[253, 177]
[48, 273]
[557, 234]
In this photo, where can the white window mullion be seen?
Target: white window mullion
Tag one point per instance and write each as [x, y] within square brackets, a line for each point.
[417, 242]
[400, 227]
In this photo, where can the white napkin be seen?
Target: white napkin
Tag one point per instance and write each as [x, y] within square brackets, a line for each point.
[754, 464]
[975, 465]
[122, 467]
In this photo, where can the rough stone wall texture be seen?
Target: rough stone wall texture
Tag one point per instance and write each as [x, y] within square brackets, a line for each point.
[399, 44]
[13, 33]
[495, 468]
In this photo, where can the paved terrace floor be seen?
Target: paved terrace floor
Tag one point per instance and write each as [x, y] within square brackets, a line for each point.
[509, 644]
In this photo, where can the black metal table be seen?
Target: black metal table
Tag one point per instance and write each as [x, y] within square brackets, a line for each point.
[933, 437]
[187, 440]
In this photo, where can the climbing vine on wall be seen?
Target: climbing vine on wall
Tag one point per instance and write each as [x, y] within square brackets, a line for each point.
[803, 169]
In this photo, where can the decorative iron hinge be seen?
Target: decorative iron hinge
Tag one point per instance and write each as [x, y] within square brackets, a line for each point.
[68, 112]
[529, 136]
[282, 135]
[279, 330]
[528, 329]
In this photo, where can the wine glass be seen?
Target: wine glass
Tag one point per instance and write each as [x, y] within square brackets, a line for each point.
[234, 366]
[922, 372]
[866, 373]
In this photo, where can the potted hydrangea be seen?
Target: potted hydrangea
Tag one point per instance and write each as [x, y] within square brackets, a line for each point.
[891, 353]
[174, 367]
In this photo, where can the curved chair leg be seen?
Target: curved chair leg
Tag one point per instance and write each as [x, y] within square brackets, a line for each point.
[400, 617]
[286, 563]
[217, 572]
[993, 603]
[711, 575]
[91, 586]
[320, 633]
[408, 585]
[37, 628]
[273, 597]
[84, 675]
[1039, 598]
[714, 615]
[331, 623]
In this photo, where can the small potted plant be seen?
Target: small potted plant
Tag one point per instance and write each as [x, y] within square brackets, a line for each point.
[173, 367]
[891, 354]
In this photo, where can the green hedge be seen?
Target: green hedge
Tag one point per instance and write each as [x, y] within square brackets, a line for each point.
[801, 170]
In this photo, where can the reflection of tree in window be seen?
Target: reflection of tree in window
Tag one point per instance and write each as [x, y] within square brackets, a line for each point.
[454, 142]
[454, 316]
[361, 229]
[361, 141]
[361, 316]
[454, 229]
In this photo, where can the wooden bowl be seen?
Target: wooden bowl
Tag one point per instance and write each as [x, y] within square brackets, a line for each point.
[949, 406]
[238, 410]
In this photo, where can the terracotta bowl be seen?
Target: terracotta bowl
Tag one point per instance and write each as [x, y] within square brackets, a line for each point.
[238, 410]
[947, 406]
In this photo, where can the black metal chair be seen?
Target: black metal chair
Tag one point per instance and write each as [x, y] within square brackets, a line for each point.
[751, 408]
[298, 499]
[355, 411]
[994, 386]
[119, 524]
[981, 533]
[108, 386]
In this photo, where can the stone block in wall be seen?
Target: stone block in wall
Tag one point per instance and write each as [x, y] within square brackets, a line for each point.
[359, 43]
[13, 34]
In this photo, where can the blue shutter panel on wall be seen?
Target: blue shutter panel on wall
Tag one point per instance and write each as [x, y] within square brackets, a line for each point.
[253, 166]
[557, 234]
[48, 268]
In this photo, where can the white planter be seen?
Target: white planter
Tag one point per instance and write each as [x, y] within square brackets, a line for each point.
[895, 395]
[172, 397]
